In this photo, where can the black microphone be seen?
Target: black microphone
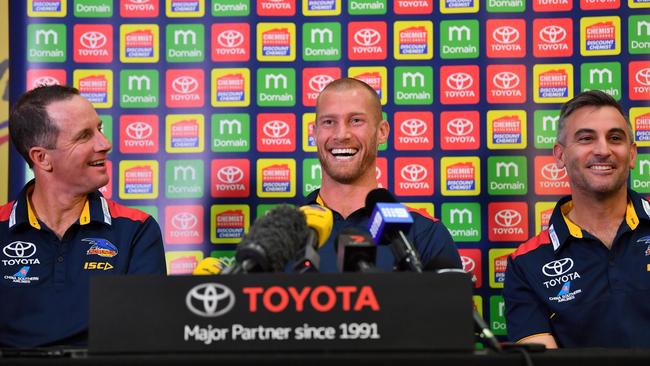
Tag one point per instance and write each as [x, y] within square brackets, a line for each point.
[441, 265]
[272, 241]
[355, 251]
[387, 224]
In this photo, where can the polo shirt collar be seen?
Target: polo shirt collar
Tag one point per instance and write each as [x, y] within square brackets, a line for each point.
[95, 210]
[561, 228]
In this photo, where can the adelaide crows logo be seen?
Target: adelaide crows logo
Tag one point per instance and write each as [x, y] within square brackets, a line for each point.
[101, 247]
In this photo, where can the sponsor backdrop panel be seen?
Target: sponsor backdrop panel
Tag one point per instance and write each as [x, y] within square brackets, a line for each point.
[209, 105]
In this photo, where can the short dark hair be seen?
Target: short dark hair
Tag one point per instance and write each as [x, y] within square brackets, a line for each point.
[29, 123]
[590, 98]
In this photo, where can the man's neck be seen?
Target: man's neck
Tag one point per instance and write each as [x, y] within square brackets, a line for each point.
[600, 216]
[57, 210]
[345, 198]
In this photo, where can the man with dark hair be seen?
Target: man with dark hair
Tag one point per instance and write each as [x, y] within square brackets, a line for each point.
[348, 131]
[61, 231]
[585, 281]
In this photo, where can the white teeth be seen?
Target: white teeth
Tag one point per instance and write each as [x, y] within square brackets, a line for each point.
[344, 151]
[97, 163]
[601, 167]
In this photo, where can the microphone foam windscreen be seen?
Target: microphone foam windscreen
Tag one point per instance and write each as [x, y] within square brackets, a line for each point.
[281, 232]
[378, 195]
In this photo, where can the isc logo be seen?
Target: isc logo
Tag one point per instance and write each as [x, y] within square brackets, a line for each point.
[102, 266]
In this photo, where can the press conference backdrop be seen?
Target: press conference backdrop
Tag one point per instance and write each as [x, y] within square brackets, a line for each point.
[209, 105]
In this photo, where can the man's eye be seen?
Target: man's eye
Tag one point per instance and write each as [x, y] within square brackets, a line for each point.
[585, 138]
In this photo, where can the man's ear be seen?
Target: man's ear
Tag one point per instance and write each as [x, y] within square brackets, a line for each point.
[558, 154]
[383, 130]
[40, 158]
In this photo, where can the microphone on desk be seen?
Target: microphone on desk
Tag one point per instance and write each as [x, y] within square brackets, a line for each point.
[272, 241]
[355, 251]
[208, 266]
[441, 265]
[387, 224]
[320, 220]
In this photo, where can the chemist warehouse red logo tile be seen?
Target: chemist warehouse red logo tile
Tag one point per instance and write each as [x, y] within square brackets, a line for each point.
[184, 224]
[314, 80]
[139, 8]
[506, 38]
[138, 134]
[185, 88]
[39, 77]
[460, 130]
[413, 131]
[459, 84]
[93, 43]
[413, 176]
[276, 8]
[471, 260]
[230, 178]
[231, 42]
[508, 221]
[553, 37]
[367, 41]
[506, 84]
[413, 6]
[276, 132]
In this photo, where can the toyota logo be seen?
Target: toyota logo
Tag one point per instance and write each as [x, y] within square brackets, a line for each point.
[550, 171]
[230, 174]
[552, 34]
[139, 130]
[506, 80]
[210, 300]
[184, 221]
[318, 82]
[460, 127]
[230, 38]
[367, 37]
[19, 249]
[413, 173]
[185, 84]
[468, 263]
[93, 40]
[505, 34]
[413, 127]
[507, 218]
[377, 173]
[558, 267]
[44, 80]
[276, 129]
[459, 81]
[643, 76]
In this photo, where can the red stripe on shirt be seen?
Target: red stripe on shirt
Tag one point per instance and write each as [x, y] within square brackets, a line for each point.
[532, 244]
[118, 210]
[5, 211]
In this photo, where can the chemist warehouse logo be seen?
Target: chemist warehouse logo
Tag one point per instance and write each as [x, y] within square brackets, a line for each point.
[561, 275]
[210, 300]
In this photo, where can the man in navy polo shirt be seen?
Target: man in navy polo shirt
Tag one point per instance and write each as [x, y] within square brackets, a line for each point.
[585, 281]
[348, 130]
[61, 231]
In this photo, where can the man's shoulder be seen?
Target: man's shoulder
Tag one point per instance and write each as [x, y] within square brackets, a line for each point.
[5, 211]
[120, 211]
[534, 245]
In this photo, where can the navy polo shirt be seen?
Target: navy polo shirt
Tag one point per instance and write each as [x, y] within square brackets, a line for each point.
[44, 281]
[565, 282]
[430, 237]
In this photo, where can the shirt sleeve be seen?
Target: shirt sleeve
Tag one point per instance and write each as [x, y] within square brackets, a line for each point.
[433, 240]
[525, 314]
[148, 254]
